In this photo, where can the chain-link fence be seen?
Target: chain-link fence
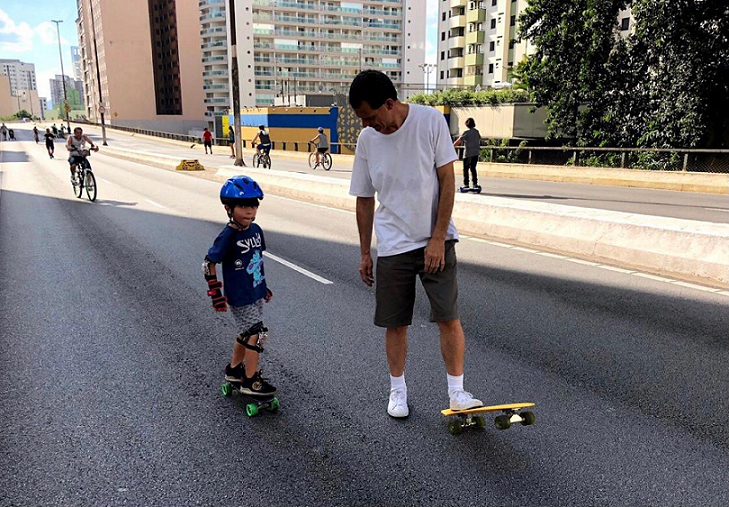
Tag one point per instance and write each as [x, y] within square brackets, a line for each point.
[674, 159]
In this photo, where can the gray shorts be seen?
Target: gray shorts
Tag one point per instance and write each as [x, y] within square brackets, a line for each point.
[395, 287]
[247, 316]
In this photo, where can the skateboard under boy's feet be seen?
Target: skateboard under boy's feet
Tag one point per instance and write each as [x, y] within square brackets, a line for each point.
[255, 403]
[509, 415]
[476, 189]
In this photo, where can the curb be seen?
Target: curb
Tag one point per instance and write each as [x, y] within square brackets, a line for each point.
[688, 249]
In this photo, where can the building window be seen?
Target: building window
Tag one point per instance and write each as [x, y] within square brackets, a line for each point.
[493, 3]
[442, 35]
[444, 16]
[625, 24]
[493, 24]
[492, 46]
[491, 68]
[511, 43]
[441, 74]
[512, 22]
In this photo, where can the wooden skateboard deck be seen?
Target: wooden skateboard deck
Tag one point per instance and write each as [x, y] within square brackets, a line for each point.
[510, 414]
[255, 403]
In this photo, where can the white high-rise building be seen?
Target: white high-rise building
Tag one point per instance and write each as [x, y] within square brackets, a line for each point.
[214, 45]
[305, 47]
[21, 74]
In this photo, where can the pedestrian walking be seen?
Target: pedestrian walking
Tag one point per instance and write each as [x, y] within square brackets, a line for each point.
[4, 132]
[49, 137]
[405, 156]
[231, 141]
[36, 133]
[207, 140]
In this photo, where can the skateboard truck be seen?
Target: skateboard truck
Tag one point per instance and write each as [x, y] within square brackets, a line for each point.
[470, 418]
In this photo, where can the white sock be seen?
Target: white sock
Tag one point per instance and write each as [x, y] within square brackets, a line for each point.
[455, 383]
[398, 383]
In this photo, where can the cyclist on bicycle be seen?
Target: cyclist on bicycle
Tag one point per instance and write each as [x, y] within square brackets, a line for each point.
[322, 143]
[76, 144]
[264, 140]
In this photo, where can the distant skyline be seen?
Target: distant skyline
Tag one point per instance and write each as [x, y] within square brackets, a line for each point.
[27, 34]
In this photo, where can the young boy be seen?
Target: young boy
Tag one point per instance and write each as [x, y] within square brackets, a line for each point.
[207, 140]
[240, 248]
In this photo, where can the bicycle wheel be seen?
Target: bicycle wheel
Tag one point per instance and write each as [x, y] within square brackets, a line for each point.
[312, 160]
[90, 185]
[78, 187]
[256, 160]
[326, 161]
[267, 162]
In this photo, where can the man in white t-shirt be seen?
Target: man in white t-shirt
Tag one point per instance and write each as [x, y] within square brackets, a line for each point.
[405, 156]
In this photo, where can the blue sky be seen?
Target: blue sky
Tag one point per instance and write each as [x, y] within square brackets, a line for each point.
[27, 34]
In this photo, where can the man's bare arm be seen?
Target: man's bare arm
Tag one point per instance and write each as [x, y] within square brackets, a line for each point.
[365, 220]
[435, 250]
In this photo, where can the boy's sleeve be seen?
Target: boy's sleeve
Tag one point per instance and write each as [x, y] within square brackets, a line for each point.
[263, 239]
[361, 183]
[221, 245]
[444, 150]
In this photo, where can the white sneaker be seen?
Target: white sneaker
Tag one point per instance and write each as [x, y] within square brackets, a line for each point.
[462, 400]
[398, 406]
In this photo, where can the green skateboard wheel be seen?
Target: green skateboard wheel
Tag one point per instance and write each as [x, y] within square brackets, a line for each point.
[275, 404]
[528, 418]
[251, 409]
[226, 389]
[455, 427]
[480, 422]
[502, 422]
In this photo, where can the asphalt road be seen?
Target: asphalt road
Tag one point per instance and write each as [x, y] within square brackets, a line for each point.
[686, 205]
[111, 362]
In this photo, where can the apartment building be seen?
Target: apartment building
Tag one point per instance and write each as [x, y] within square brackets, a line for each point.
[20, 74]
[477, 44]
[149, 63]
[214, 46]
[76, 62]
[304, 47]
[74, 91]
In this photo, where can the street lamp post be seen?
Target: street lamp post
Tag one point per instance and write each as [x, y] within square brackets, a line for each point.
[233, 52]
[98, 76]
[63, 76]
[427, 69]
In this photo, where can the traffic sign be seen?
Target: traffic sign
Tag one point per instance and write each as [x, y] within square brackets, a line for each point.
[102, 109]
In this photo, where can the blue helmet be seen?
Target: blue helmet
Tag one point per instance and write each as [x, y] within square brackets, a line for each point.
[240, 188]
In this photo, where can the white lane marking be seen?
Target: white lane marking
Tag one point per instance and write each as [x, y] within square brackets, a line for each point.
[316, 205]
[105, 181]
[694, 286]
[156, 204]
[654, 277]
[606, 267]
[618, 270]
[718, 209]
[298, 268]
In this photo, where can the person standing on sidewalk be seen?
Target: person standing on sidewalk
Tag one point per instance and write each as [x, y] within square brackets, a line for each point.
[472, 139]
[4, 131]
[207, 140]
[231, 141]
[415, 234]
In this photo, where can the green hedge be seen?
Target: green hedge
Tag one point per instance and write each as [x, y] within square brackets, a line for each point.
[463, 98]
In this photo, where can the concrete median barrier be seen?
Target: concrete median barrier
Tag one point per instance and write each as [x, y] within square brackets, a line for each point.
[686, 249]
[154, 160]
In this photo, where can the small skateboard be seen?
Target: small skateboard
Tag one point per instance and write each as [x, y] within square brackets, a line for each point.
[255, 403]
[468, 418]
[476, 190]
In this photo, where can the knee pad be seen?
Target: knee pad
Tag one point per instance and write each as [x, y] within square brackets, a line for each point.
[256, 330]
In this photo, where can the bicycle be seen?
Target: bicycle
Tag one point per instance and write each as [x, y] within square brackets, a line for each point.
[261, 158]
[85, 178]
[325, 160]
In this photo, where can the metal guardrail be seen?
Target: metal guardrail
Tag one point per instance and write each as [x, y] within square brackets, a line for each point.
[664, 159]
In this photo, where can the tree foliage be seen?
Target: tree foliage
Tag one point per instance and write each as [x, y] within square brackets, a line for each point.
[664, 85]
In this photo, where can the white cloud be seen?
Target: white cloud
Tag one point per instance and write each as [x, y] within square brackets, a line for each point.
[22, 36]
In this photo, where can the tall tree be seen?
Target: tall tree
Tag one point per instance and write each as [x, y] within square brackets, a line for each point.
[568, 73]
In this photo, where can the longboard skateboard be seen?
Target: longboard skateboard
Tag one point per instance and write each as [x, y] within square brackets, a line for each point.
[509, 415]
[255, 403]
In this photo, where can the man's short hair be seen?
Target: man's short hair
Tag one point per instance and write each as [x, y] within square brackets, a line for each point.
[77, 128]
[373, 87]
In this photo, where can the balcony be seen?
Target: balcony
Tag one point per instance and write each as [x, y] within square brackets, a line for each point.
[458, 3]
[475, 37]
[456, 63]
[456, 42]
[474, 59]
[457, 22]
[476, 15]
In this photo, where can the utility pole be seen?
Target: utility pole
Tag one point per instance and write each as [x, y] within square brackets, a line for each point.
[63, 76]
[98, 75]
[233, 51]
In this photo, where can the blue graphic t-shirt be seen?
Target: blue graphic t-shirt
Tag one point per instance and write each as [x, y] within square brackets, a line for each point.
[241, 253]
